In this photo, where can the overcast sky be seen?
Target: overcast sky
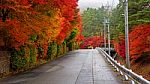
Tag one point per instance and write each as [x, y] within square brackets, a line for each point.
[83, 4]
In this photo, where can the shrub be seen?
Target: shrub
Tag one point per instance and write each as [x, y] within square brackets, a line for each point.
[18, 60]
[59, 50]
[52, 51]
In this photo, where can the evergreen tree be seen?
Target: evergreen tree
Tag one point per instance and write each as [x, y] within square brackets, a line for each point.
[93, 21]
[139, 13]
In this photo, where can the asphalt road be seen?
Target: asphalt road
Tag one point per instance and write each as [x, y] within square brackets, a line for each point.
[84, 66]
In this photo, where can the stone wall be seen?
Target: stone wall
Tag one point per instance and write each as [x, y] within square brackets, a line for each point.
[4, 62]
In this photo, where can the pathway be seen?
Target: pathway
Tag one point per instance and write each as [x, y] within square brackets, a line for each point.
[84, 66]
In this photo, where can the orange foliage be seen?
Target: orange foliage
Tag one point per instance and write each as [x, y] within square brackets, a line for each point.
[119, 46]
[139, 40]
[94, 41]
[49, 20]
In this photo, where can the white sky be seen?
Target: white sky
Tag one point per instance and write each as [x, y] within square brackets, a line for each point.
[83, 4]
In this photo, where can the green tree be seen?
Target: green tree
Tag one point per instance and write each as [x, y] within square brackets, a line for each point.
[139, 12]
[93, 21]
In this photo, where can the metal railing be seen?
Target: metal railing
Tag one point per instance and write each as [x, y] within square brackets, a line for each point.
[124, 71]
[106, 49]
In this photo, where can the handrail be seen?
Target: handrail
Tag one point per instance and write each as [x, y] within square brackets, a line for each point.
[126, 71]
[112, 49]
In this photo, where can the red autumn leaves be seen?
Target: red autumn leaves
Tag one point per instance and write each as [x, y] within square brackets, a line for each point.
[120, 46]
[94, 41]
[48, 20]
[139, 42]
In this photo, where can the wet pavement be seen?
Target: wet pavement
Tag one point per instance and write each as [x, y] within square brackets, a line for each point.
[84, 66]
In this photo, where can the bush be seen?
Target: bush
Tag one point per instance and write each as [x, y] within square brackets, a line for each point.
[52, 51]
[64, 47]
[18, 60]
[94, 41]
[59, 50]
[70, 46]
[33, 55]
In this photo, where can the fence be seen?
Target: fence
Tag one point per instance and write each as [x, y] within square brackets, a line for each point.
[124, 71]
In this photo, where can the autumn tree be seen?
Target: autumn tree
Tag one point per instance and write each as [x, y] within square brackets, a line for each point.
[33, 27]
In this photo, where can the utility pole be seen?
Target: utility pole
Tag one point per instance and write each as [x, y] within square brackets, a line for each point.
[107, 21]
[126, 35]
[101, 30]
[104, 32]
[101, 35]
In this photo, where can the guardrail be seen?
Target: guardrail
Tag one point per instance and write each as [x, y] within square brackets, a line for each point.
[124, 71]
[106, 49]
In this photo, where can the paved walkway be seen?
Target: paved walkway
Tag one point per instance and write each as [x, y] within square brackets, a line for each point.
[77, 67]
